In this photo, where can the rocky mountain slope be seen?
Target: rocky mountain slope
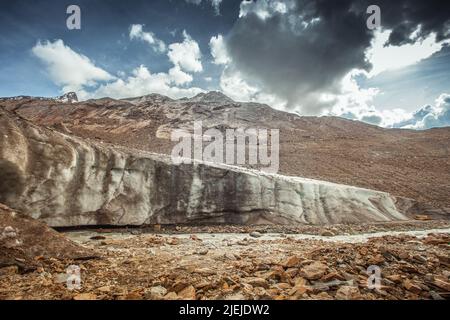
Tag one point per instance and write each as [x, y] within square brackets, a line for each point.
[68, 181]
[406, 163]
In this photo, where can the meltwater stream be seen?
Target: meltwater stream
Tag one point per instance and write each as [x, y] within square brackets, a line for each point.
[82, 236]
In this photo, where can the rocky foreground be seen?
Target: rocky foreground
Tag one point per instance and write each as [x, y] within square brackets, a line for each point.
[173, 264]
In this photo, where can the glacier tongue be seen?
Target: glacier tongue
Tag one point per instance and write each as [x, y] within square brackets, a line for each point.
[66, 181]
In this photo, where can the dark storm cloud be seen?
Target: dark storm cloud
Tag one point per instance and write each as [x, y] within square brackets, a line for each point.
[306, 51]
[403, 17]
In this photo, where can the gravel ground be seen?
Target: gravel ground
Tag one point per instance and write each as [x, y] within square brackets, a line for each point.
[249, 263]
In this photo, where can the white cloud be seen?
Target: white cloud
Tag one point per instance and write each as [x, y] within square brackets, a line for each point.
[179, 77]
[429, 116]
[265, 8]
[219, 50]
[186, 54]
[356, 103]
[67, 68]
[143, 82]
[216, 5]
[237, 88]
[394, 57]
[369, 114]
[75, 72]
[136, 32]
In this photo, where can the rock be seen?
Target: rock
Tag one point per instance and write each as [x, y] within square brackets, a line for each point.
[158, 291]
[412, 287]
[171, 296]
[173, 241]
[187, 293]
[363, 251]
[257, 282]
[202, 284]
[436, 296]
[291, 272]
[243, 242]
[322, 296]
[255, 234]
[262, 267]
[327, 233]
[389, 256]
[348, 293]
[277, 275]
[98, 238]
[85, 296]
[283, 286]
[194, 237]
[421, 217]
[408, 268]
[235, 296]
[292, 261]
[10, 270]
[179, 285]
[205, 271]
[376, 259]
[395, 278]
[420, 258]
[133, 296]
[313, 271]
[60, 277]
[229, 256]
[435, 239]
[157, 227]
[261, 293]
[444, 259]
[331, 276]
[442, 284]
[298, 290]
[300, 281]
[8, 232]
[104, 289]
[202, 252]
[429, 277]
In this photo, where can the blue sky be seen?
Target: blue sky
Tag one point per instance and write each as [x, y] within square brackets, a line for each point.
[104, 36]
[289, 54]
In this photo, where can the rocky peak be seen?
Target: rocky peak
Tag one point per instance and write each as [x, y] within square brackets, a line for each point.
[212, 96]
[69, 97]
[154, 97]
